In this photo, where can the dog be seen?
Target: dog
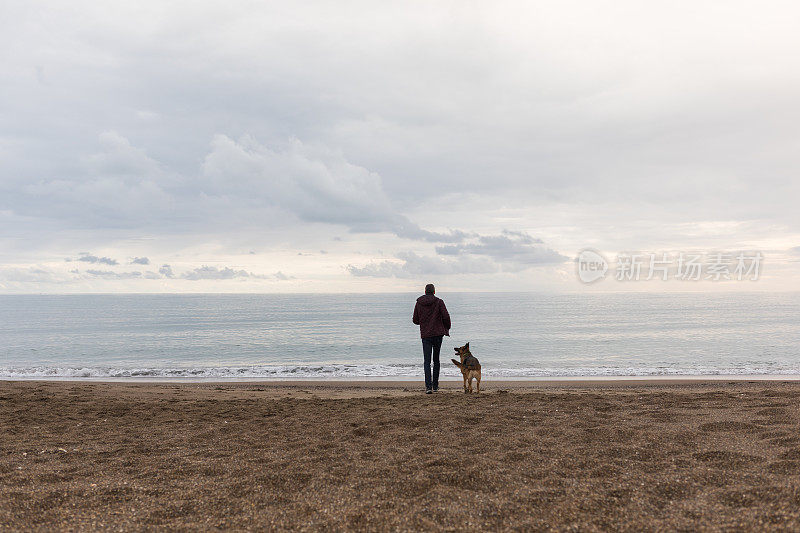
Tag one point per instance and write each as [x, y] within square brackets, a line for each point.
[469, 366]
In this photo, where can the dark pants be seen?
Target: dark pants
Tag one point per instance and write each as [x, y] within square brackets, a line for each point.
[431, 346]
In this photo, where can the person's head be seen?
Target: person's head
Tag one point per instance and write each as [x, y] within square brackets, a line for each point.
[430, 289]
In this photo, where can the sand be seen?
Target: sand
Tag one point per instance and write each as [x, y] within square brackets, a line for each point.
[382, 456]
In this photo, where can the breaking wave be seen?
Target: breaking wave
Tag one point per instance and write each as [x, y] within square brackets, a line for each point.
[355, 371]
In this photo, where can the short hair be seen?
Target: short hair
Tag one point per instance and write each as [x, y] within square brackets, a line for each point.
[430, 289]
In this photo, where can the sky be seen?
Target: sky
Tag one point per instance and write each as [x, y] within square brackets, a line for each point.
[378, 146]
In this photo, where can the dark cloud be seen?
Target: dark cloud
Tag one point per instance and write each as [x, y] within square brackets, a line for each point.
[212, 272]
[512, 249]
[89, 258]
[140, 261]
[166, 271]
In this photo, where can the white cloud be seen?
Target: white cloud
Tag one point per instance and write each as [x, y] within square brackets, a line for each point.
[314, 183]
[411, 265]
[118, 157]
[215, 273]
[32, 274]
[108, 274]
[212, 272]
[118, 186]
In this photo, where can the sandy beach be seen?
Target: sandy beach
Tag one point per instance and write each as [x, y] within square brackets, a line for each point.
[624, 455]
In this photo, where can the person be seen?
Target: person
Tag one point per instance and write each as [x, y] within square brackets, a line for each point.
[431, 315]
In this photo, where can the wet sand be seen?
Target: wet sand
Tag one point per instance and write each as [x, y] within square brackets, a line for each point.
[625, 455]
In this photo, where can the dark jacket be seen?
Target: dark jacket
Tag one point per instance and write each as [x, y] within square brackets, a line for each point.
[432, 317]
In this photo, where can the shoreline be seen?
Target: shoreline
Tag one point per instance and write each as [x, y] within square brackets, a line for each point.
[404, 380]
[321, 389]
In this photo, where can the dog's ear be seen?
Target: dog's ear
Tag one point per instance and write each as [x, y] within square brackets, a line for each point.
[466, 346]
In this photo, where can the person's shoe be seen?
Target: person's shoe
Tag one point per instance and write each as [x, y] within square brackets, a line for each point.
[428, 391]
[436, 389]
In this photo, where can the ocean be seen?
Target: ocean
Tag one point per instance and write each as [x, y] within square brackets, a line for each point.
[515, 335]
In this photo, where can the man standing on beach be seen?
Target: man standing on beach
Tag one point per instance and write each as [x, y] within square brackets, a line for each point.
[431, 315]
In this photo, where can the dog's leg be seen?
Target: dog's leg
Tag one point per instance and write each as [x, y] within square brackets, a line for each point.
[478, 380]
[465, 384]
[469, 380]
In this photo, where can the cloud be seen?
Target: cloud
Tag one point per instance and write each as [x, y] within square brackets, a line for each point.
[121, 159]
[140, 261]
[108, 274]
[313, 182]
[240, 184]
[587, 125]
[117, 186]
[513, 249]
[30, 275]
[411, 265]
[89, 258]
[35, 274]
[211, 272]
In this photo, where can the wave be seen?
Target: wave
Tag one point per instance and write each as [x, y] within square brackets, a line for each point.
[353, 371]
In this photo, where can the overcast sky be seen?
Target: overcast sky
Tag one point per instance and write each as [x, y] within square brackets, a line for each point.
[377, 146]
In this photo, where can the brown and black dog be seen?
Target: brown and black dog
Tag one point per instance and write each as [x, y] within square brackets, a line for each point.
[469, 366]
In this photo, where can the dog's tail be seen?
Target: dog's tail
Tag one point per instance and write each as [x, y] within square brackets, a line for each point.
[459, 365]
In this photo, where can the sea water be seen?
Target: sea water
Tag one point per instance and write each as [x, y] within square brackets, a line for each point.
[515, 335]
